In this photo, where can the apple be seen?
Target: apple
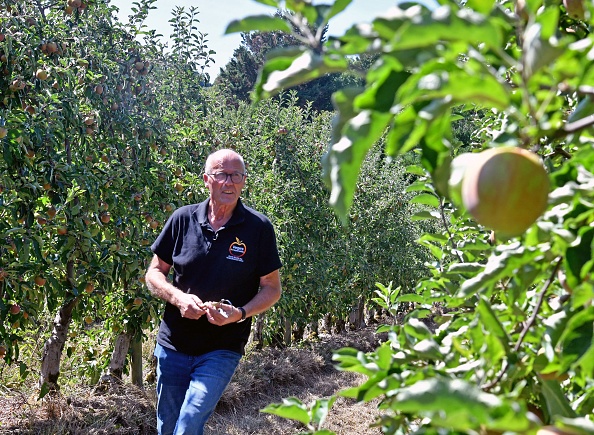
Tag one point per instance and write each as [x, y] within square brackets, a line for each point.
[154, 224]
[88, 320]
[105, 217]
[99, 89]
[52, 47]
[137, 301]
[40, 281]
[62, 231]
[89, 287]
[41, 74]
[3, 132]
[506, 189]
[15, 309]
[51, 211]
[575, 9]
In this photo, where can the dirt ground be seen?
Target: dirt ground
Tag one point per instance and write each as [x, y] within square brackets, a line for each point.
[263, 377]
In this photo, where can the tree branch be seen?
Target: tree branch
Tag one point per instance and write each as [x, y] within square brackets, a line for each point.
[528, 324]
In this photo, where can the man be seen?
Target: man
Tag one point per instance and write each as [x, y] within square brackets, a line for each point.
[225, 270]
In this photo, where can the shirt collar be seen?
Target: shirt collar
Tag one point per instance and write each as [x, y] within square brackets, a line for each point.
[236, 218]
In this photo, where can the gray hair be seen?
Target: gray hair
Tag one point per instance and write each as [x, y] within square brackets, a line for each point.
[219, 153]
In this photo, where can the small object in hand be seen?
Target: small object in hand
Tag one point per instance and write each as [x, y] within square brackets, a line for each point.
[218, 305]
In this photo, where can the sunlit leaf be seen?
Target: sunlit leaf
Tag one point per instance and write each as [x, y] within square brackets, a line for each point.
[263, 23]
[291, 408]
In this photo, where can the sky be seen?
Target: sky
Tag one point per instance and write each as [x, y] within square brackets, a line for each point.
[215, 15]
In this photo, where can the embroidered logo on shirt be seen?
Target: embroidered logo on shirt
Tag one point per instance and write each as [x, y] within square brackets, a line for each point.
[237, 249]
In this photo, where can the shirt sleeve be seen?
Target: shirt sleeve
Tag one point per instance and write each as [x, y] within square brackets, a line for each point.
[164, 245]
[269, 260]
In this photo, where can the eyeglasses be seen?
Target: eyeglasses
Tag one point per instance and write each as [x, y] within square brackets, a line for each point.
[222, 177]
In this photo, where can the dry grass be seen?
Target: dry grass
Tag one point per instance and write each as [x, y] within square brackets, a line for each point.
[263, 377]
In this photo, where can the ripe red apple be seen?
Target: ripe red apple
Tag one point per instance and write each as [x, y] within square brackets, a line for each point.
[137, 301]
[105, 217]
[89, 287]
[62, 231]
[15, 309]
[51, 211]
[40, 280]
[506, 189]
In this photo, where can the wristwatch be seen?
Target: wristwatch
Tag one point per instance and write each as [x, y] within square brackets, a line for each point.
[242, 314]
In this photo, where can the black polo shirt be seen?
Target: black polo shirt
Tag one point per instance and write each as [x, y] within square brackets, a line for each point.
[226, 264]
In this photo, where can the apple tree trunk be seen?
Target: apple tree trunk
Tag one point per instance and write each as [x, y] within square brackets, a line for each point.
[52, 350]
[136, 360]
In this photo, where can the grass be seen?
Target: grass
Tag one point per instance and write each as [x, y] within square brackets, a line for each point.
[263, 377]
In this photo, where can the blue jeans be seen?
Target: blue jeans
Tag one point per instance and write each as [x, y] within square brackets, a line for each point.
[189, 387]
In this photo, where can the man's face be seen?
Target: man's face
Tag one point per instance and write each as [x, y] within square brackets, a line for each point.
[225, 192]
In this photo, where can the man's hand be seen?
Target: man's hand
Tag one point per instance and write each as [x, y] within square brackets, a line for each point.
[190, 306]
[221, 314]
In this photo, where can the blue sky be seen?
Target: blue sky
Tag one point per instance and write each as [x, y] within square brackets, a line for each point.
[215, 15]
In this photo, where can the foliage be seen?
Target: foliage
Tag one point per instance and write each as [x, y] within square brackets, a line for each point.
[86, 181]
[312, 416]
[513, 346]
[98, 154]
[237, 79]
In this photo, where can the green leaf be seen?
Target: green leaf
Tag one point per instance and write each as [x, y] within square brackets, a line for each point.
[557, 403]
[416, 170]
[291, 408]
[320, 409]
[427, 29]
[262, 23]
[422, 215]
[578, 255]
[43, 390]
[482, 6]
[283, 71]
[426, 199]
[456, 404]
[337, 7]
[492, 324]
[273, 3]
[538, 52]
[343, 161]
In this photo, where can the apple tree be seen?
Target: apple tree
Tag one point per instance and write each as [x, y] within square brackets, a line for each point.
[87, 175]
[511, 348]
